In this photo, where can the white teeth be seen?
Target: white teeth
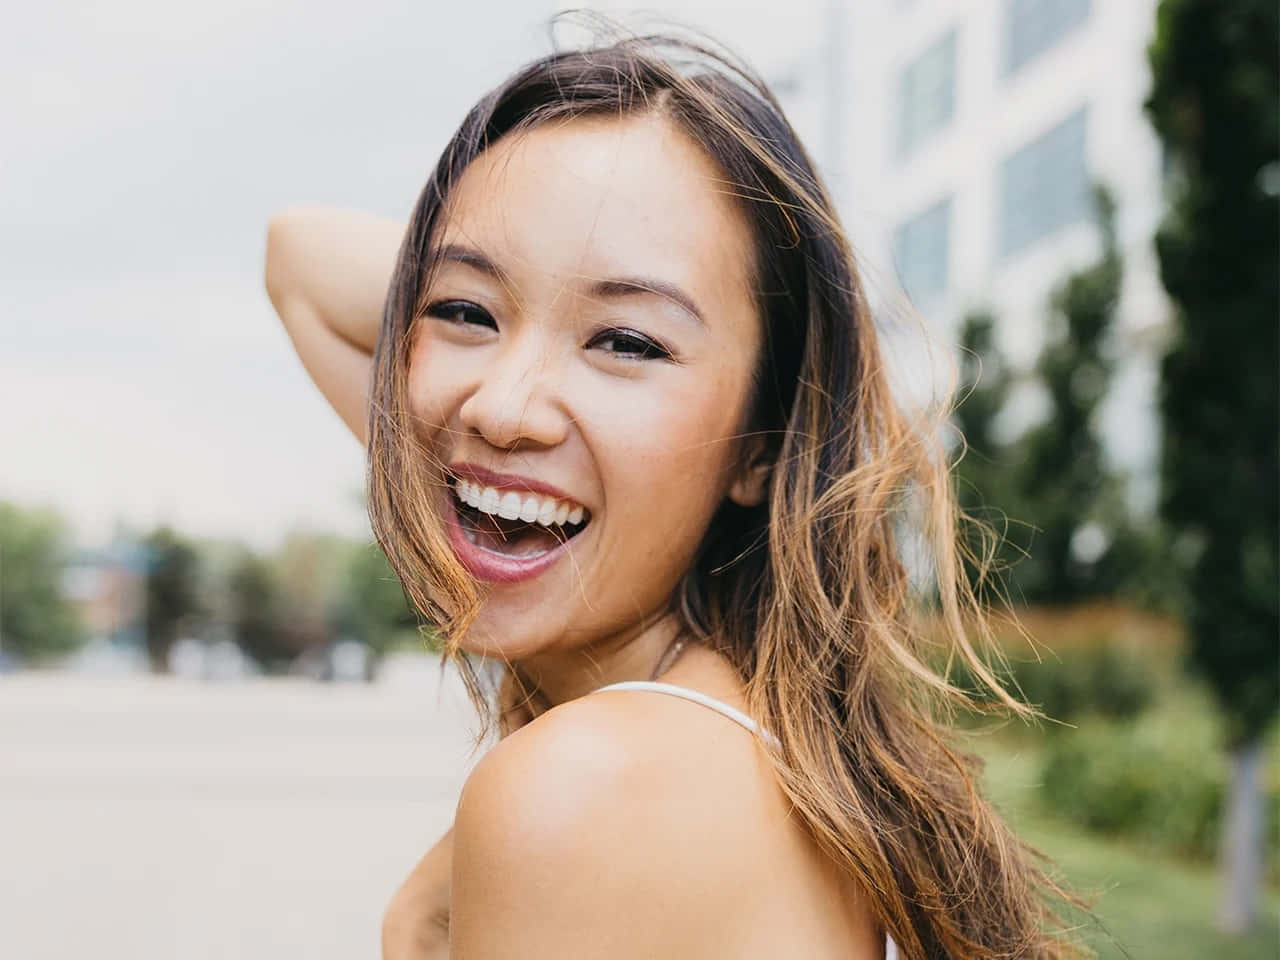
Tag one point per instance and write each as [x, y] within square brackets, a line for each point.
[471, 494]
[547, 512]
[527, 507]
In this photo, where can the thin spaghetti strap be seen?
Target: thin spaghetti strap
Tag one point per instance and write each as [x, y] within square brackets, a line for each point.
[695, 696]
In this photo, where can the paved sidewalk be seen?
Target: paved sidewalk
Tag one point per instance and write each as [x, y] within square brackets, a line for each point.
[150, 818]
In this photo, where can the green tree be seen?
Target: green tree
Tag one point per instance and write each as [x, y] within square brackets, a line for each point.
[983, 478]
[172, 589]
[1064, 486]
[985, 382]
[373, 607]
[1215, 106]
[1009, 492]
[256, 611]
[309, 569]
[37, 621]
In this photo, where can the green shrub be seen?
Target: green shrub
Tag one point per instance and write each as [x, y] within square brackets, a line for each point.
[1151, 783]
[1060, 688]
[1102, 679]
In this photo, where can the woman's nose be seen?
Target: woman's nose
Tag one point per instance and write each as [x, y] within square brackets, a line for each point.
[516, 400]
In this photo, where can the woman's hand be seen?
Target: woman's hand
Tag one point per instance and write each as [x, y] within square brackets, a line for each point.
[415, 925]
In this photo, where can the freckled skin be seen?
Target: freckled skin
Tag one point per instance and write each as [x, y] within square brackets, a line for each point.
[644, 444]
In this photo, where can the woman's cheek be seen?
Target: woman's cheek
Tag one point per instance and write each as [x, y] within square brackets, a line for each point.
[669, 461]
[437, 377]
[701, 425]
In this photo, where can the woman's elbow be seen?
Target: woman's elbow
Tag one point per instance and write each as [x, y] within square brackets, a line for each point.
[282, 228]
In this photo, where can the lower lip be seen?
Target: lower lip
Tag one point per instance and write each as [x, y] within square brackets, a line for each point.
[495, 567]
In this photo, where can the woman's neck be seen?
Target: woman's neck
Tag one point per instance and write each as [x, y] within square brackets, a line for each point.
[561, 676]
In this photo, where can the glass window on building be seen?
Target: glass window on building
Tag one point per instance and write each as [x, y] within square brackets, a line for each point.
[921, 251]
[926, 93]
[1044, 185]
[1036, 25]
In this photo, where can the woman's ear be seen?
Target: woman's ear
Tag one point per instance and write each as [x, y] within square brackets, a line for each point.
[751, 483]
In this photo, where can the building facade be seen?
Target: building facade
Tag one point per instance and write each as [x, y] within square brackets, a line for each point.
[974, 131]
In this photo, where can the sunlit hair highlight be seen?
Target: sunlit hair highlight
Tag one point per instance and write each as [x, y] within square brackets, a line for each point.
[810, 595]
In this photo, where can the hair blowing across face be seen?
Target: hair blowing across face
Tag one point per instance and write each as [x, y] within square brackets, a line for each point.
[808, 594]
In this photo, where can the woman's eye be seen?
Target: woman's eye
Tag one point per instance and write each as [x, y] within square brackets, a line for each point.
[462, 313]
[627, 343]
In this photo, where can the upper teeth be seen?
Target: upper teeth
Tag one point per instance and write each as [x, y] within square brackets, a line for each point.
[514, 505]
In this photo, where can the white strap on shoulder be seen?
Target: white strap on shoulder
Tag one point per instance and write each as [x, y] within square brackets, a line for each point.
[890, 948]
[695, 696]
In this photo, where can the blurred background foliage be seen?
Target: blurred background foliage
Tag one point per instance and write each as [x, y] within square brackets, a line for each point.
[311, 592]
[37, 619]
[1065, 532]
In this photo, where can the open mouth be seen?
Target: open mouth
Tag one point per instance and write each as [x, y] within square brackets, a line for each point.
[513, 524]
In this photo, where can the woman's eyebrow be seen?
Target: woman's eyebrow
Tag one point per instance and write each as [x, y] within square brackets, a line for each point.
[633, 286]
[469, 256]
[612, 288]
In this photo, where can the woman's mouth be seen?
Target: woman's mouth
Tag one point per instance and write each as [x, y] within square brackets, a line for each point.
[506, 535]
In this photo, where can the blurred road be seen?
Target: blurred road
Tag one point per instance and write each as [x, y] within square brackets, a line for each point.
[149, 818]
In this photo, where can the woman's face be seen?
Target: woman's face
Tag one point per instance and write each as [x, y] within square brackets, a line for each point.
[585, 354]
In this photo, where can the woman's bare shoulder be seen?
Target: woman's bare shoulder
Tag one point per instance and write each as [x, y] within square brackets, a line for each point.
[613, 817]
[658, 749]
[635, 761]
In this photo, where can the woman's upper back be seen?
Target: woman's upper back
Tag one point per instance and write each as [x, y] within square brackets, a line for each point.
[725, 710]
[627, 825]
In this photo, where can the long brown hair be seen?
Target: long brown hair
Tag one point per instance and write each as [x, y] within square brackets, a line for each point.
[810, 595]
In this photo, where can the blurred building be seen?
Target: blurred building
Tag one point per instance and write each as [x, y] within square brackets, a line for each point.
[109, 589]
[974, 130]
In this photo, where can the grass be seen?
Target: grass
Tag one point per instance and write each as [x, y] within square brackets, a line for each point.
[1146, 905]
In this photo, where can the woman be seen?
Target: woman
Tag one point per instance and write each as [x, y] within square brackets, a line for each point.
[627, 419]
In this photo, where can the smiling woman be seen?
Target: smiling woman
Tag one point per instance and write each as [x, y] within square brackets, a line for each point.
[539, 355]
[628, 419]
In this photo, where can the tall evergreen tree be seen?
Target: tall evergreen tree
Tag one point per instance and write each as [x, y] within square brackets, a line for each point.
[1215, 104]
[1065, 487]
[984, 483]
[985, 381]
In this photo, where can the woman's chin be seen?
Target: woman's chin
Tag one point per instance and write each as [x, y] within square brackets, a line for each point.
[498, 638]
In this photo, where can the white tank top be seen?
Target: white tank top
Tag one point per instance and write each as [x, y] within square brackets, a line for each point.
[734, 714]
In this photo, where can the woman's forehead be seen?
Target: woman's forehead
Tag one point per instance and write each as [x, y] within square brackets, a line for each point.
[598, 197]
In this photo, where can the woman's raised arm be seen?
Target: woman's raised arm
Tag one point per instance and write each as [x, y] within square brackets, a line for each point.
[327, 273]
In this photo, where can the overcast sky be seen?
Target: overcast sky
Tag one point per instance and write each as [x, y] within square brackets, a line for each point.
[143, 375]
